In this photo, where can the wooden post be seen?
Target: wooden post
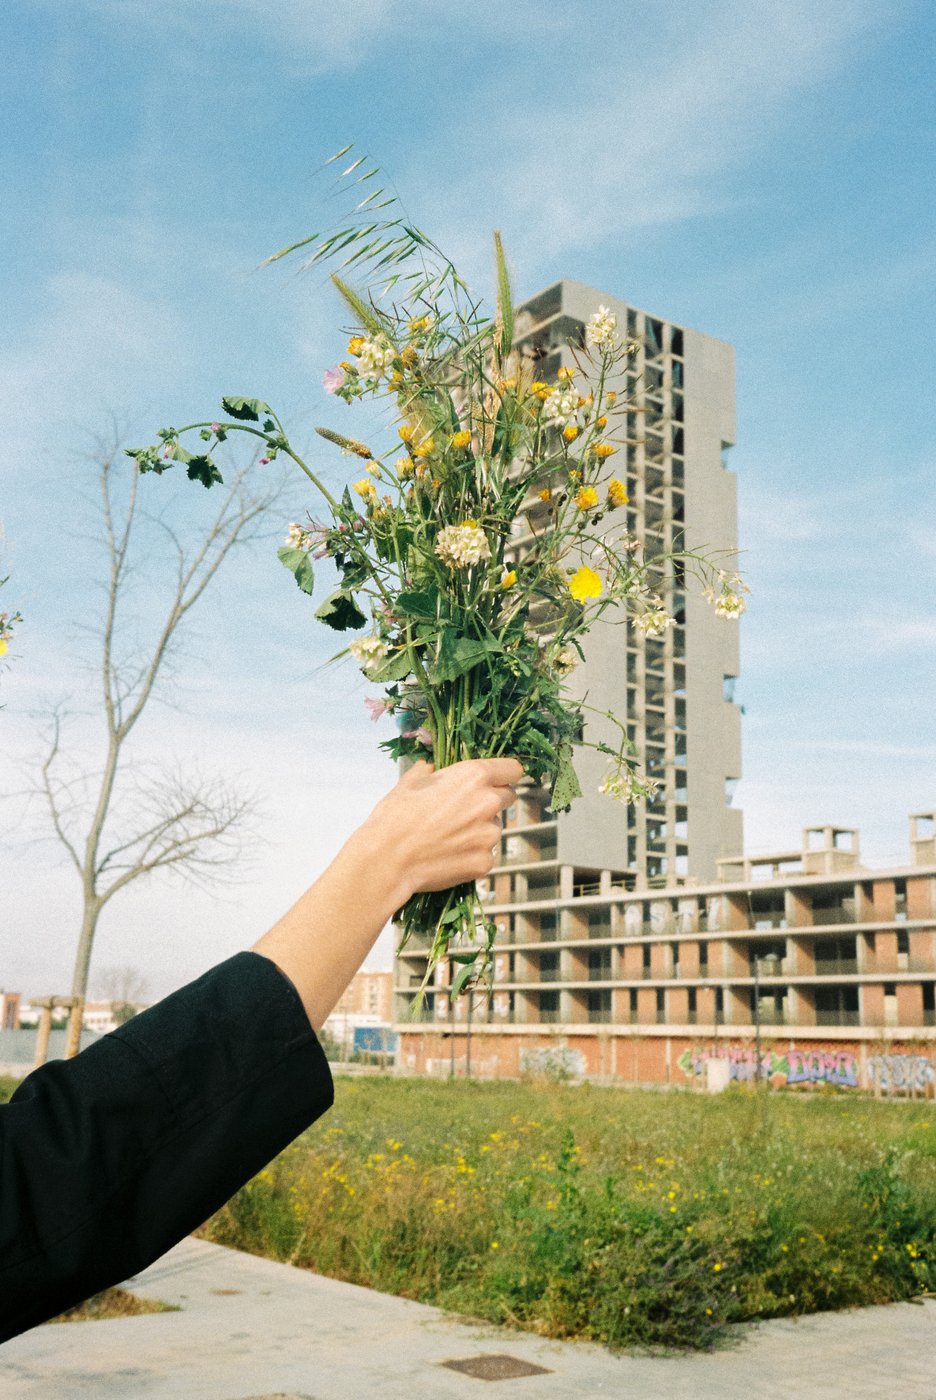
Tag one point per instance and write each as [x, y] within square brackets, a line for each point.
[73, 1044]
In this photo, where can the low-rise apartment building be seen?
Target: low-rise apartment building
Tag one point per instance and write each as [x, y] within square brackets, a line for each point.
[829, 965]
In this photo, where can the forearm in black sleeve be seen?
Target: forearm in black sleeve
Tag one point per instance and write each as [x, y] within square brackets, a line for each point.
[109, 1159]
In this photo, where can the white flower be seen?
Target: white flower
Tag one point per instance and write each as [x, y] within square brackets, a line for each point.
[624, 785]
[729, 602]
[565, 660]
[368, 651]
[375, 357]
[654, 621]
[296, 537]
[601, 331]
[460, 546]
[560, 407]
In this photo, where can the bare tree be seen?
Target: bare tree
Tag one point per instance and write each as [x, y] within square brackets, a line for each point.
[124, 987]
[121, 822]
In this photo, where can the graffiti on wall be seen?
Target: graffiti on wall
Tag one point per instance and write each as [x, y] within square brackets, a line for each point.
[900, 1073]
[557, 1062]
[891, 1074]
[794, 1066]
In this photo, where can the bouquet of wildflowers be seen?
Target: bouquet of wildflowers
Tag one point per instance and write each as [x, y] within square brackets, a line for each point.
[478, 542]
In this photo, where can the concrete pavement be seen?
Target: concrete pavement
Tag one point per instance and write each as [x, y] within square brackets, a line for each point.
[251, 1329]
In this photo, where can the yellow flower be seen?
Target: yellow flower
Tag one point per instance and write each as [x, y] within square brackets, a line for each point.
[601, 422]
[582, 401]
[570, 433]
[509, 579]
[587, 498]
[506, 386]
[426, 447]
[611, 399]
[565, 373]
[409, 356]
[418, 324]
[545, 494]
[539, 390]
[372, 467]
[407, 432]
[617, 495]
[494, 1244]
[396, 377]
[717, 1268]
[602, 449]
[346, 366]
[436, 483]
[585, 583]
[355, 345]
[366, 488]
[4, 647]
[404, 466]
[461, 439]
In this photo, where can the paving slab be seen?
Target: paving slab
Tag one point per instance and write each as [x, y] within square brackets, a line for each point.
[252, 1329]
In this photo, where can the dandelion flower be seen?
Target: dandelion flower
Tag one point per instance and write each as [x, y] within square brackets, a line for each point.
[461, 440]
[586, 498]
[355, 345]
[584, 584]
[617, 495]
[372, 467]
[366, 488]
[509, 579]
[570, 433]
[545, 494]
[407, 432]
[602, 449]
[404, 466]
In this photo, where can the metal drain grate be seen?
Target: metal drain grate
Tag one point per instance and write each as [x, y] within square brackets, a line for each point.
[495, 1366]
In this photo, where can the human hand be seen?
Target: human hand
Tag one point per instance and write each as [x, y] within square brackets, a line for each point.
[443, 825]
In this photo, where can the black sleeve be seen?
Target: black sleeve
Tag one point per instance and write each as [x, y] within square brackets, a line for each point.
[109, 1159]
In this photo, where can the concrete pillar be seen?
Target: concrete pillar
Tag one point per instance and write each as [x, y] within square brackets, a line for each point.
[885, 901]
[646, 1006]
[631, 961]
[689, 959]
[872, 1004]
[798, 910]
[659, 960]
[705, 1006]
[920, 897]
[737, 1006]
[885, 946]
[802, 954]
[909, 1004]
[677, 1006]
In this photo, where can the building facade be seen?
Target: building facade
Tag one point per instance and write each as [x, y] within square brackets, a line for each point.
[676, 691]
[828, 966]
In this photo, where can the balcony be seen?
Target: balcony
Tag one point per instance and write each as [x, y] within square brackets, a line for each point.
[837, 1017]
[833, 914]
[835, 967]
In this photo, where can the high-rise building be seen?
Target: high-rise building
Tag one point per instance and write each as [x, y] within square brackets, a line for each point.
[675, 691]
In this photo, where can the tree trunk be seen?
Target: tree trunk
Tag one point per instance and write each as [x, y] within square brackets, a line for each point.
[89, 920]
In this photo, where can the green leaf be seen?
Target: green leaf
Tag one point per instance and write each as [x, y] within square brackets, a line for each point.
[299, 564]
[461, 977]
[458, 655]
[566, 786]
[204, 470]
[532, 742]
[248, 409]
[417, 604]
[396, 667]
[340, 611]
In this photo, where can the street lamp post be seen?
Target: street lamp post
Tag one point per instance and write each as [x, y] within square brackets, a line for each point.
[758, 958]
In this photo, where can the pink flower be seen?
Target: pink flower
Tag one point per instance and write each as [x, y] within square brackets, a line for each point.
[333, 380]
[422, 734]
[376, 707]
[216, 427]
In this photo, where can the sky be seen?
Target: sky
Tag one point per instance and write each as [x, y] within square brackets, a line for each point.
[761, 170]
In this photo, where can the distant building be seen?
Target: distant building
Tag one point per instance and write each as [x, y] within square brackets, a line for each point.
[362, 1018]
[675, 692]
[835, 961]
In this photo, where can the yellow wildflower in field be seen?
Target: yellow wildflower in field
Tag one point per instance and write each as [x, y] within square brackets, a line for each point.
[404, 466]
[409, 356]
[539, 390]
[570, 433]
[355, 345]
[426, 447]
[372, 467]
[461, 439]
[509, 579]
[602, 449]
[611, 399]
[587, 498]
[407, 432]
[565, 374]
[584, 584]
[601, 422]
[617, 494]
[4, 647]
[366, 488]
[545, 494]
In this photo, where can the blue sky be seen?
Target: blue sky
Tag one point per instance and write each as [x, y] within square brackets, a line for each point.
[762, 171]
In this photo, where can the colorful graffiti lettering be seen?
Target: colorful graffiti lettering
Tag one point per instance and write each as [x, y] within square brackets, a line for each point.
[796, 1066]
[893, 1073]
[822, 1067]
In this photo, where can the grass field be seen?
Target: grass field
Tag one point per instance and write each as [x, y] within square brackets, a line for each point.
[626, 1217]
